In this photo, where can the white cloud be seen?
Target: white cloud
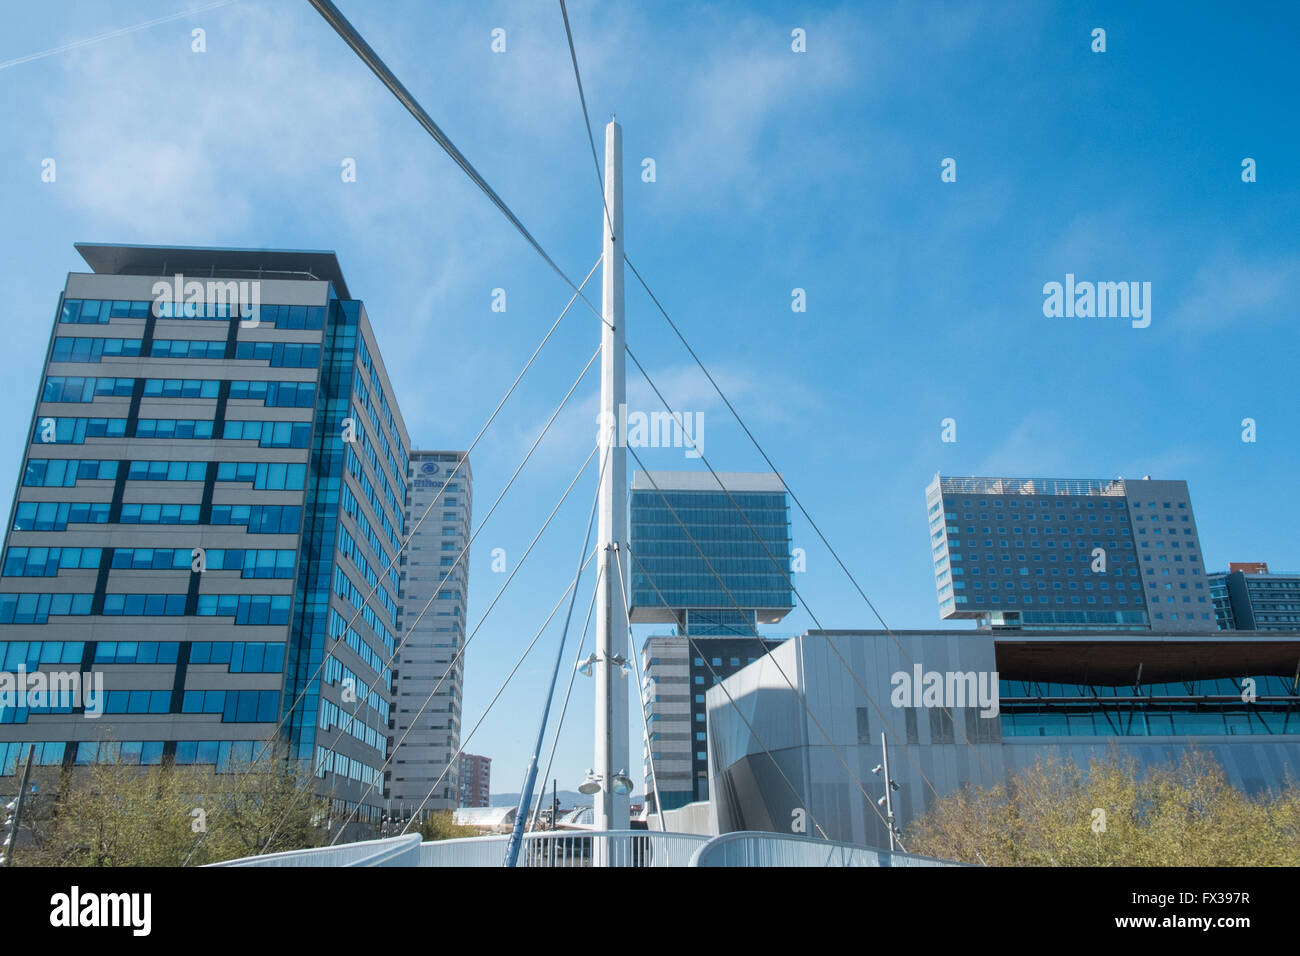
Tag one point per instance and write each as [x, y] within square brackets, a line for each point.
[1230, 289]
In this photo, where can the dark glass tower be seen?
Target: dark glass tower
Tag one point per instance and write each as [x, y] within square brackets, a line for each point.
[717, 600]
[1068, 554]
[712, 565]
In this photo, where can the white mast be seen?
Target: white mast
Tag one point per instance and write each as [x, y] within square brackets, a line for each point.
[611, 809]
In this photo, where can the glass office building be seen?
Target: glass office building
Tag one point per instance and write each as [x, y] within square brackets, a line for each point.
[1248, 597]
[708, 560]
[212, 494]
[716, 564]
[1054, 554]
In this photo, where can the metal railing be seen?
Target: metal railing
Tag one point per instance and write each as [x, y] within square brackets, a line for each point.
[569, 848]
[618, 848]
[779, 849]
[393, 851]
[1033, 486]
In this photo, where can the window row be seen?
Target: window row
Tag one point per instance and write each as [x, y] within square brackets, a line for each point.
[251, 563]
[137, 701]
[32, 654]
[260, 519]
[249, 609]
[270, 434]
[66, 472]
[277, 394]
[100, 311]
[243, 657]
[59, 388]
[37, 608]
[136, 652]
[234, 706]
[47, 562]
[74, 431]
[92, 350]
[276, 354]
[57, 515]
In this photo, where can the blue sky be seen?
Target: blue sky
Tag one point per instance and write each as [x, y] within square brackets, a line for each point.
[775, 170]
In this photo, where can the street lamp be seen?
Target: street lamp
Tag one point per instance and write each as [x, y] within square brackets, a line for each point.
[591, 785]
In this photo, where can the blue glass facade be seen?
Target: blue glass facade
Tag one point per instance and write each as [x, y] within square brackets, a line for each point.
[1268, 704]
[191, 519]
[669, 565]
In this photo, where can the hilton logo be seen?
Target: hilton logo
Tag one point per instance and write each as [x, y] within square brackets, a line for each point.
[429, 468]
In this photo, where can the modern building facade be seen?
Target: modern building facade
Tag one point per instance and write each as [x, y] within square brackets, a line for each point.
[475, 783]
[431, 669]
[1073, 695]
[213, 493]
[716, 565]
[1053, 554]
[687, 534]
[1248, 597]
[679, 669]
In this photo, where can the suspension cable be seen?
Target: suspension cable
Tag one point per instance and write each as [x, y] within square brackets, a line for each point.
[461, 651]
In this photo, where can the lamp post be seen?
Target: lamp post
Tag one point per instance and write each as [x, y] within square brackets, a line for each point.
[887, 800]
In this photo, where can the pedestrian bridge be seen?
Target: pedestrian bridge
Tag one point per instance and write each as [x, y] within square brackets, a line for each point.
[618, 848]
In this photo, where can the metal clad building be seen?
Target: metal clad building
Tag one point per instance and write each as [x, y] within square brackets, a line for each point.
[1075, 695]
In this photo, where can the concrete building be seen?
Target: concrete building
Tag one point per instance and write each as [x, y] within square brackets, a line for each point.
[678, 671]
[1054, 554]
[1076, 695]
[1248, 597]
[435, 584]
[715, 603]
[214, 485]
[475, 780]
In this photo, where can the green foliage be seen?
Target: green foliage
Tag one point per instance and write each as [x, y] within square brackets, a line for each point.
[441, 825]
[1182, 813]
[116, 814]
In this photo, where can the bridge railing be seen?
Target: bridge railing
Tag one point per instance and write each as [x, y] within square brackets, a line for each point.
[758, 848]
[618, 848]
[569, 848]
[392, 851]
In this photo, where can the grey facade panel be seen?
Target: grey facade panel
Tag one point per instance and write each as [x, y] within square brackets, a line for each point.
[770, 762]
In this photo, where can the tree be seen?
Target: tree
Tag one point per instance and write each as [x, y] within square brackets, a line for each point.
[115, 813]
[441, 825]
[1182, 813]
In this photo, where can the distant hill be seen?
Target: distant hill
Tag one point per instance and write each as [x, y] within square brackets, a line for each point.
[568, 799]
